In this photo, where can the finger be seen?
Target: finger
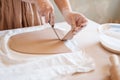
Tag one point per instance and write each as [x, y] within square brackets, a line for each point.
[84, 23]
[77, 29]
[79, 25]
[74, 32]
[40, 19]
[47, 17]
[73, 23]
[85, 20]
[43, 17]
[81, 22]
[52, 19]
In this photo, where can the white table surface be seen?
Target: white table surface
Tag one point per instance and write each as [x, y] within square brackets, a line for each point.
[88, 41]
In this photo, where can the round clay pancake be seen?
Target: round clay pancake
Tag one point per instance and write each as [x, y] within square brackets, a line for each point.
[38, 42]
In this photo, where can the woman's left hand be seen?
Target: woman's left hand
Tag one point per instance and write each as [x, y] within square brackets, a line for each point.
[76, 20]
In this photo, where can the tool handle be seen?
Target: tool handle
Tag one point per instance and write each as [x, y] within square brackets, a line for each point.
[52, 26]
[68, 36]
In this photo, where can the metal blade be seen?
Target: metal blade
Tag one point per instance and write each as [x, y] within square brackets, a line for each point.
[55, 32]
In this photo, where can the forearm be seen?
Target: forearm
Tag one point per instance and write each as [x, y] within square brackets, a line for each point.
[31, 1]
[63, 5]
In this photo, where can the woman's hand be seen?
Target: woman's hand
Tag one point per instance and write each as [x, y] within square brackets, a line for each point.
[46, 10]
[76, 20]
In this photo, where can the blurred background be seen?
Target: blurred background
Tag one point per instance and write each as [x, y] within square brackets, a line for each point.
[100, 11]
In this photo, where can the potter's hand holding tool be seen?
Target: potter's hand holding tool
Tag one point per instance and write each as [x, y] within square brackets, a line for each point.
[115, 68]
[46, 9]
[76, 20]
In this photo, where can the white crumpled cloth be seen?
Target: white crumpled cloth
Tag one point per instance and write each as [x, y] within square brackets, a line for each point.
[16, 66]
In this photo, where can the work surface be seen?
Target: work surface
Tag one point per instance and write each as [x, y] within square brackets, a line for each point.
[88, 41]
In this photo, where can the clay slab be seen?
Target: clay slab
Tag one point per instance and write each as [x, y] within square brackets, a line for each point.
[38, 42]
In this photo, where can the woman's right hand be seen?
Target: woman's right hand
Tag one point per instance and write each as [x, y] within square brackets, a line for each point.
[46, 10]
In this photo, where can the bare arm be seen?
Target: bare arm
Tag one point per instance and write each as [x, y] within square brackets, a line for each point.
[31, 1]
[63, 5]
[46, 10]
[75, 19]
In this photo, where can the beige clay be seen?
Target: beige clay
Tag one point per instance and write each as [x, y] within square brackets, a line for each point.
[38, 42]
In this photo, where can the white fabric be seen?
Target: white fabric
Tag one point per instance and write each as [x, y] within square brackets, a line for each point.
[14, 65]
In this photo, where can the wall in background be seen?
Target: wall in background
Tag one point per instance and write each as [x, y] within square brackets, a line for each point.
[100, 11]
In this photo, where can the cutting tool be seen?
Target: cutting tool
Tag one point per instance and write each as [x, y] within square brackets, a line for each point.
[68, 36]
[55, 32]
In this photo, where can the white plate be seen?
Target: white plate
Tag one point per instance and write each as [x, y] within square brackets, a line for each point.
[110, 36]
